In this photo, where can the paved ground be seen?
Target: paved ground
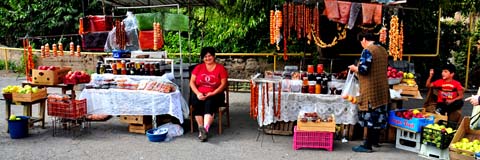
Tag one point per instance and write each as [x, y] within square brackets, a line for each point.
[111, 140]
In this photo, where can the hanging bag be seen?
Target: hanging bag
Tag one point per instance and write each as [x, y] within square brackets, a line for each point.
[351, 88]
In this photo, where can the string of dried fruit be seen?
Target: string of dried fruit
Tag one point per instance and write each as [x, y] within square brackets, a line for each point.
[252, 99]
[285, 19]
[54, 48]
[291, 13]
[255, 109]
[263, 102]
[24, 42]
[30, 58]
[279, 100]
[340, 36]
[273, 101]
[268, 97]
[272, 27]
[47, 50]
[60, 48]
[316, 19]
[278, 25]
[72, 49]
[400, 42]
[160, 36]
[383, 35]
[299, 22]
[307, 24]
[155, 36]
[393, 35]
[78, 51]
[117, 32]
[42, 51]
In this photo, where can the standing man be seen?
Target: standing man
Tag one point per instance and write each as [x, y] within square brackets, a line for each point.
[374, 91]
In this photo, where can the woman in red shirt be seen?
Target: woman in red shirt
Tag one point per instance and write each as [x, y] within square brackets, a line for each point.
[208, 82]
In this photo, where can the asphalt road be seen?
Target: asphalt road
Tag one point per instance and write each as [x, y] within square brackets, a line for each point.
[111, 140]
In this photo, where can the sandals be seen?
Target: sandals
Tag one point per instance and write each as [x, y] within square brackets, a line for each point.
[203, 134]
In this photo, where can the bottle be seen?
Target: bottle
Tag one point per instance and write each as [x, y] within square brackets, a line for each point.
[152, 69]
[99, 64]
[311, 87]
[123, 70]
[319, 68]
[324, 89]
[318, 86]
[114, 68]
[119, 67]
[127, 68]
[132, 68]
[305, 85]
[102, 69]
[140, 71]
[157, 69]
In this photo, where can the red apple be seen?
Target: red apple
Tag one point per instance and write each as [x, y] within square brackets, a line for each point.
[70, 72]
[399, 74]
[394, 70]
[52, 68]
[389, 68]
[78, 73]
[389, 73]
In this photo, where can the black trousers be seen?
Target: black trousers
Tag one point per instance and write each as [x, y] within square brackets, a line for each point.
[373, 137]
[207, 106]
[449, 108]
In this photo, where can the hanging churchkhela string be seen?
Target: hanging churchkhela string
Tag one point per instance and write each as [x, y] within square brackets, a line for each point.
[394, 36]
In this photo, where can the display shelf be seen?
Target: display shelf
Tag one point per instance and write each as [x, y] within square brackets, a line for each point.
[170, 61]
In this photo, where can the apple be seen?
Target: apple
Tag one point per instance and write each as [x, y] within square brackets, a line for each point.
[389, 73]
[394, 70]
[399, 74]
[52, 68]
[12, 117]
[389, 68]
[69, 72]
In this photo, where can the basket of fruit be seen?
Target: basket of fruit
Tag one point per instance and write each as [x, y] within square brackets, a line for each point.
[436, 135]
[7, 91]
[394, 76]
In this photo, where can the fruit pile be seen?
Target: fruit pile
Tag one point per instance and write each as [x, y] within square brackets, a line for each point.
[409, 114]
[409, 79]
[437, 135]
[14, 118]
[27, 89]
[465, 144]
[313, 116]
[10, 89]
[394, 73]
[59, 98]
[350, 98]
[51, 68]
[76, 77]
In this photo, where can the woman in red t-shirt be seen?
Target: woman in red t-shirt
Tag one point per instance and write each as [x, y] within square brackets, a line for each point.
[208, 81]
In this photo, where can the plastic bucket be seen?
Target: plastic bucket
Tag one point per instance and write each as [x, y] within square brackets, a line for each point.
[157, 137]
[18, 128]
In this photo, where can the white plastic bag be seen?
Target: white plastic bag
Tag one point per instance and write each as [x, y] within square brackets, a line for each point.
[475, 118]
[174, 130]
[351, 87]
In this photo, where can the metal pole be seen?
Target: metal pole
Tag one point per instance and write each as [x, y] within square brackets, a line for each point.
[181, 59]
[470, 29]
[274, 62]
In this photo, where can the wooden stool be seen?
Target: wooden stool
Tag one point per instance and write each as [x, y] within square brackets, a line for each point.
[27, 111]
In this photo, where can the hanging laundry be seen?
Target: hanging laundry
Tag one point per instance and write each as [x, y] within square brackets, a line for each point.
[354, 11]
[368, 10]
[344, 8]
[377, 18]
[331, 10]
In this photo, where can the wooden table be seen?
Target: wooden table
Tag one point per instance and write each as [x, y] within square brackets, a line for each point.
[64, 87]
[27, 111]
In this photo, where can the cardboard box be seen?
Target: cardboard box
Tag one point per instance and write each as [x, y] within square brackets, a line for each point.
[140, 119]
[139, 128]
[49, 77]
[413, 125]
[31, 97]
[316, 126]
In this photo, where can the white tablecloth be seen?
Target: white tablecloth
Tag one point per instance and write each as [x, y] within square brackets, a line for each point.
[134, 102]
[292, 103]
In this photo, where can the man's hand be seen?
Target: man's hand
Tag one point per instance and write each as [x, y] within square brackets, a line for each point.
[473, 100]
[353, 68]
[431, 72]
[209, 94]
[201, 97]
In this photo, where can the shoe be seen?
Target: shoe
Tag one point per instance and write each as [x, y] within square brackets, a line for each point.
[203, 134]
[361, 148]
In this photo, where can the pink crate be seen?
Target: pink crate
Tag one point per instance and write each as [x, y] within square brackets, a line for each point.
[312, 139]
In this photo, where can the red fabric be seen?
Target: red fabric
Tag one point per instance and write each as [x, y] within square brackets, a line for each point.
[368, 10]
[448, 90]
[209, 81]
[331, 10]
[344, 8]
[145, 39]
[98, 23]
[377, 18]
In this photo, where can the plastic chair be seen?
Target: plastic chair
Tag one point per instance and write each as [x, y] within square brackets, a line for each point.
[222, 110]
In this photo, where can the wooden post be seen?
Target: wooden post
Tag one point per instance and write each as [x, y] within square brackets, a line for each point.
[6, 60]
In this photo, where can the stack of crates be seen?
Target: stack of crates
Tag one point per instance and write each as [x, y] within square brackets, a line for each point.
[408, 140]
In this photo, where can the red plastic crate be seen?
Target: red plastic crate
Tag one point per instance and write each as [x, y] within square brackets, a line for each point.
[312, 139]
[69, 110]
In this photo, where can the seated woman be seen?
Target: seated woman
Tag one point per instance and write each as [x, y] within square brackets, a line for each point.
[208, 82]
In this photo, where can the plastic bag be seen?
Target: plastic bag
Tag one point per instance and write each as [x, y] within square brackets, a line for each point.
[131, 30]
[174, 130]
[475, 118]
[351, 87]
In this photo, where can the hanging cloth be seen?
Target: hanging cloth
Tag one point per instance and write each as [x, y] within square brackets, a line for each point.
[377, 18]
[368, 10]
[354, 10]
[331, 10]
[344, 8]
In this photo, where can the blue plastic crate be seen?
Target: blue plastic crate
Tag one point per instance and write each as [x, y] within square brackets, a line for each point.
[414, 124]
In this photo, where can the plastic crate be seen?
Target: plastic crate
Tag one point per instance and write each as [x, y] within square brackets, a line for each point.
[414, 124]
[312, 139]
[429, 135]
[69, 110]
[431, 152]
[407, 140]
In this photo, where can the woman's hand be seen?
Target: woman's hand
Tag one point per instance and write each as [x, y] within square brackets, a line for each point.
[353, 68]
[473, 100]
[201, 97]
